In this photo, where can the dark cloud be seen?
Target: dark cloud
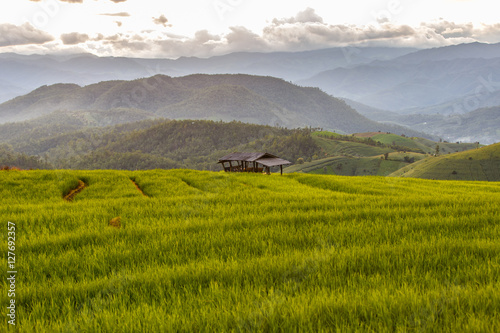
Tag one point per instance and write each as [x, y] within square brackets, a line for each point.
[74, 38]
[122, 14]
[11, 35]
[162, 20]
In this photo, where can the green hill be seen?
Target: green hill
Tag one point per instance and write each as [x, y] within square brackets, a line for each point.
[360, 155]
[356, 166]
[477, 164]
[226, 103]
[255, 99]
[63, 122]
[397, 140]
[10, 158]
[418, 144]
[149, 144]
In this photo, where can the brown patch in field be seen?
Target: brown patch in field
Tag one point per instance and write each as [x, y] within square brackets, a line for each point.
[9, 168]
[115, 222]
[71, 195]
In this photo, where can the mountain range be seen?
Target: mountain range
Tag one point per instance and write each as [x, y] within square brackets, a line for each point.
[418, 80]
[20, 74]
[437, 91]
[252, 99]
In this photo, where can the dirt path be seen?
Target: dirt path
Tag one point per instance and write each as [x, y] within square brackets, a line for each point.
[137, 187]
[71, 195]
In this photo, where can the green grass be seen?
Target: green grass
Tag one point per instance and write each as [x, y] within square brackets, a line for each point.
[444, 147]
[326, 134]
[336, 147]
[390, 139]
[361, 166]
[478, 164]
[210, 252]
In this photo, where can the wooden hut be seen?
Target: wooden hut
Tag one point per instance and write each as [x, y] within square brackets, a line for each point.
[251, 162]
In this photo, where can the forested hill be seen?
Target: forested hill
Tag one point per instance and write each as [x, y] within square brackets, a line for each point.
[148, 144]
[247, 98]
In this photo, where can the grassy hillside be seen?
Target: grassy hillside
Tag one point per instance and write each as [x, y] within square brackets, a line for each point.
[418, 144]
[203, 251]
[78, 142]
[374, 153]
[360, 154]
[477, 164]
[355, 166]
[394, 139]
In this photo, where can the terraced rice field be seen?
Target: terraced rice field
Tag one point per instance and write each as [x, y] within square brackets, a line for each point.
[185, 250]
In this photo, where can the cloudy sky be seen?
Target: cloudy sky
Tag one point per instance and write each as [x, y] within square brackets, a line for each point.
[167, 28]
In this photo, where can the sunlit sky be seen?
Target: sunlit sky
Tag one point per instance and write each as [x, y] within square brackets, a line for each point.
[148, 28]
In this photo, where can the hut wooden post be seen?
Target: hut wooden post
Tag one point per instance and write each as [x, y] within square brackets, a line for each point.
[243, 162]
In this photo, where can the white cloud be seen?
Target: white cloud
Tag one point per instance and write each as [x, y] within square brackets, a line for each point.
[306, 16]
[22, 35]
[304, 31]
[294, 35]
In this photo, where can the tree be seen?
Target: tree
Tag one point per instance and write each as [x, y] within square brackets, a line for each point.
[437, 150]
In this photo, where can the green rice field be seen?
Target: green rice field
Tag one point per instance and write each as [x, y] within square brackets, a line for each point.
[195, 251]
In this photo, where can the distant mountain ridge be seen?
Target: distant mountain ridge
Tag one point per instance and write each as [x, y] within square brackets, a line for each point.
[481, 125]
[420, 79]
[20, 74]
[253, 99]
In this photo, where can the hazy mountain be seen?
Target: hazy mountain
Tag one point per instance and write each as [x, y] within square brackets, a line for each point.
[461, 51]
[421, 79]
[255, 99]
[485, 97]
[371, 112]
[481, 125]
[20, 74]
